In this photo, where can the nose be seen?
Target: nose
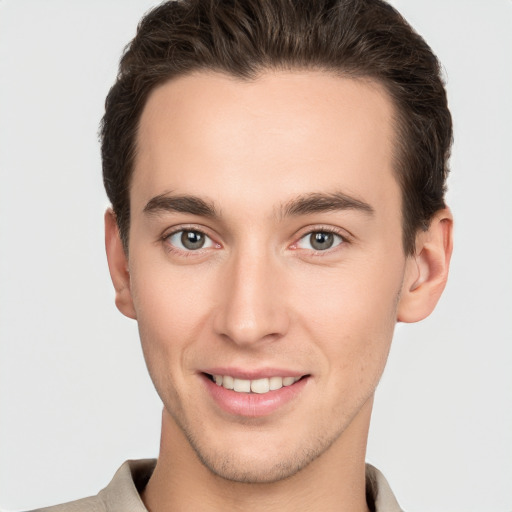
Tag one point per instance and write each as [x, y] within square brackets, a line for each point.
[252, 309]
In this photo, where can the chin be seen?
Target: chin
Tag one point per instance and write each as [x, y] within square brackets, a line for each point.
[257, 464]
[252, 471]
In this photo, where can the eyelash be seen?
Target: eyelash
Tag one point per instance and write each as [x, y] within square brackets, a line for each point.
[344, 239]
[184, 252]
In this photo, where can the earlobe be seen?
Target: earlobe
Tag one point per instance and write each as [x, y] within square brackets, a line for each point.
[118, 266]
[427, 270]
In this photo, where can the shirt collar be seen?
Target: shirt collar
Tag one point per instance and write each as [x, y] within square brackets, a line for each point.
[123, 492]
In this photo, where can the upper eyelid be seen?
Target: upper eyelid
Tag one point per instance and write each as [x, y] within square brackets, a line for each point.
[309, 233]
[347, 239]
[170, 247]
[343, 241]
[186, 227]
[343, 233]
[171, 231]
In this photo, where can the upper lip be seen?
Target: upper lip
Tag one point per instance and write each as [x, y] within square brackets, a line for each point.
[253, 374]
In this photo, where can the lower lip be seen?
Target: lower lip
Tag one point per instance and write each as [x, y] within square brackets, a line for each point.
[253, 404]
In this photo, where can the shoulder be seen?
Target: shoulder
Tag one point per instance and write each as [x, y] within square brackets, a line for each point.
[379, 495]
[121, 494]
[92, 504]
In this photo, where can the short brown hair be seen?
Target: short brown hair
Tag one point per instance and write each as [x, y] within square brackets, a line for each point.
[358, 38]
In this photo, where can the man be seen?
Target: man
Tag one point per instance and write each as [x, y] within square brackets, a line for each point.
[276, 170]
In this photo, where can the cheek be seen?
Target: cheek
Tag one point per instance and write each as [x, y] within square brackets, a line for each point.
[352, 315]
[168, 300]
[171, 314]
[168, 322]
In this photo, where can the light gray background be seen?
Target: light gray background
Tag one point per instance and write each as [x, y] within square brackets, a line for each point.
[75, 401]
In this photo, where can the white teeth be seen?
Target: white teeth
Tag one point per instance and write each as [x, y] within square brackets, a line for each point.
[242, 385]
[228, 382]
[275, 383]
[288, 381]
[259, 386]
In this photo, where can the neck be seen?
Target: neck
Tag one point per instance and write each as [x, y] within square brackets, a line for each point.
[335, 481]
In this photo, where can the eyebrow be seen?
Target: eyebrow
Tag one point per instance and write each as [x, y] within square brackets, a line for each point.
[182, 204]
[320, 202]
[315, 202]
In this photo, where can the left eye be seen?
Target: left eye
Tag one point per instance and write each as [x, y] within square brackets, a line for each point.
[190, 240]
[319, 241]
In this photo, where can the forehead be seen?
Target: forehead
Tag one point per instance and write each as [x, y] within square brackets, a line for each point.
[212, 134]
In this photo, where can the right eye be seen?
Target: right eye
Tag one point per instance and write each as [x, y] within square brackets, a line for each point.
[321, 240]
[190, 240]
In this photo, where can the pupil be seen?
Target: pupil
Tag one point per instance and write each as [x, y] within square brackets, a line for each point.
[192, 239]
[322, 241]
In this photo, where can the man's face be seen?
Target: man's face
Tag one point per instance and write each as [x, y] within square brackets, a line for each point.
[266, 242]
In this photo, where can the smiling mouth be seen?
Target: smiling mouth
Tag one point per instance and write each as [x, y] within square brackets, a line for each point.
[258, 386]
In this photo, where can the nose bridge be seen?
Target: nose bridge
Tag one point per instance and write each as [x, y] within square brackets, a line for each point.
[252, 308]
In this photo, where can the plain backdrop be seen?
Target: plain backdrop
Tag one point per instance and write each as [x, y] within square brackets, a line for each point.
[75, 400]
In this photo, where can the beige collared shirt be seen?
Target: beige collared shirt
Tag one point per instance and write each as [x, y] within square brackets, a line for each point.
[122, 494]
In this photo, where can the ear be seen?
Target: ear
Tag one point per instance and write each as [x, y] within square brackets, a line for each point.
[118, 266]
[427, 270]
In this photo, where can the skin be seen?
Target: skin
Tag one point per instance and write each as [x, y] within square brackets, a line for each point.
[258, 295]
